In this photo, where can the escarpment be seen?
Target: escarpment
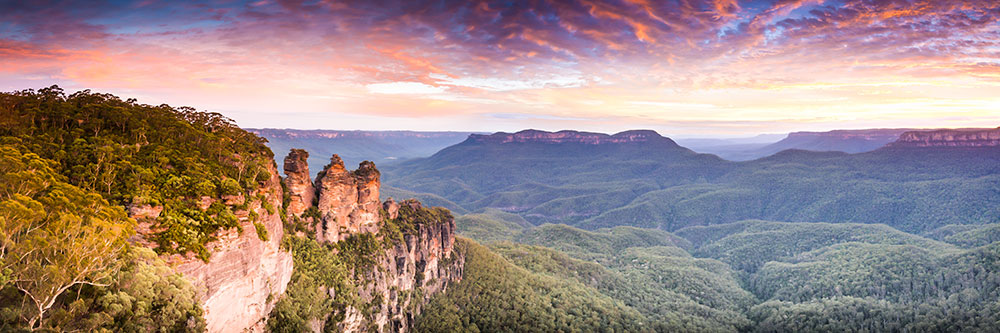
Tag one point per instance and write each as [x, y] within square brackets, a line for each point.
[949, 138]
[246, 269]
[413, 257]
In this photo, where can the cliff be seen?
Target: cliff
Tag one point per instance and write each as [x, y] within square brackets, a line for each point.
[418, 266]
[987, 137]
[536, 136]
[414, 259]
[244, 275]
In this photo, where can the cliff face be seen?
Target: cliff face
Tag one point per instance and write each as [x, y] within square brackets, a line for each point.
[568, 137]
[419, 264]
[949, 138]
[244, 275]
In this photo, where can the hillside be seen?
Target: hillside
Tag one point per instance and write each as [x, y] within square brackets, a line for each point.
[757, 276]
[353, 147]
[658, 184]
[554, 177]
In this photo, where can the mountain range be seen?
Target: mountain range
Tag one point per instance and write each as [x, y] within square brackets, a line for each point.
[381, 147]
[640, 178]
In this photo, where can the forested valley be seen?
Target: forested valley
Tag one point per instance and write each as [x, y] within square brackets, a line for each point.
[555, 237]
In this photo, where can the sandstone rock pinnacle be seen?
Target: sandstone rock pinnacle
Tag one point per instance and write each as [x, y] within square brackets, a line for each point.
[299, 184]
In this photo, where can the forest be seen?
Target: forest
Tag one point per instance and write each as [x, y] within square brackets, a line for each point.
[748, 276]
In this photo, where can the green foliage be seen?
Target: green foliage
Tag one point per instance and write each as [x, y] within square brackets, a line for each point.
[261, 230]
[855, 287]
[491, 225]
[748, 245]
[851, 277]
[672, 290]
[966, 235]
[497, 296]
[53, 236]
[317, 270]
[133, 153]
[146, 295]
[601, 245]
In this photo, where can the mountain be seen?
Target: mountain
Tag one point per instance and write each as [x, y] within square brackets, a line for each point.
[553, 177]
[353, 147]
[595, 181]
[848, 141]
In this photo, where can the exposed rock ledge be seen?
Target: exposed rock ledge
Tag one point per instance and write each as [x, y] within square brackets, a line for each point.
[989, 137]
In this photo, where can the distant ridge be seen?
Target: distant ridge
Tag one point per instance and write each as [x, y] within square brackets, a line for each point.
[965, 137]
[354, 146]
[568, 136]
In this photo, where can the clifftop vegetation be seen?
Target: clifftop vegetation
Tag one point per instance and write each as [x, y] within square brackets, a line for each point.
[137, 154]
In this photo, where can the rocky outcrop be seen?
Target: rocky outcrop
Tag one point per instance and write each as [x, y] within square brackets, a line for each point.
[989, 137]
[416, 268]
[419, 263]
[348, 201]
[244, 275]
[298, 182]
[536, 136]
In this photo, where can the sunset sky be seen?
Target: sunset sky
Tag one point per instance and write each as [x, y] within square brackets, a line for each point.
[682, 67]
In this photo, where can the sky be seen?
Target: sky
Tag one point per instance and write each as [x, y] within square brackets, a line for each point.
[686, 68]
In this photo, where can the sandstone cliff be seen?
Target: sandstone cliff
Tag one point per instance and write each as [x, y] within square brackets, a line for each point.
[416, 260]
[244, 275]
[949, 138]
[419, 266]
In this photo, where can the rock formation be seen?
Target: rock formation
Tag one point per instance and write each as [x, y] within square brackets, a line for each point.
[418, 265]
[988, 137]
[244, 275]
[298, 182]
[348, 201]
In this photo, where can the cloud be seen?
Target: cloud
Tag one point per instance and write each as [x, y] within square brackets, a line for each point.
[414, 88]
[549, 58]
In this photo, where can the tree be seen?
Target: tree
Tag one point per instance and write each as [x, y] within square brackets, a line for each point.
[54, 235]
